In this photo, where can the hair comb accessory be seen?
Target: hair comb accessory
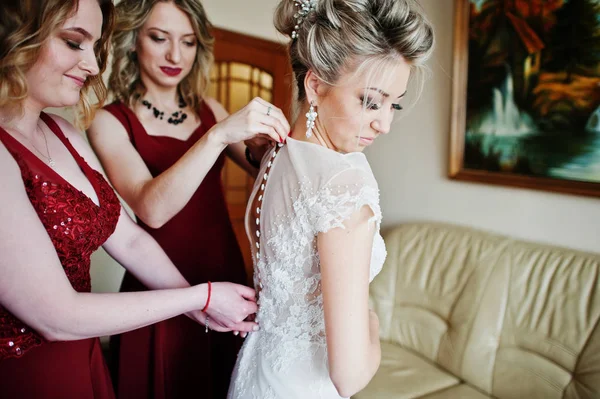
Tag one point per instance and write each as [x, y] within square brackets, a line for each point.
[304, 8]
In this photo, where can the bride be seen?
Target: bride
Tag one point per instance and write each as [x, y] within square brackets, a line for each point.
[313, 218]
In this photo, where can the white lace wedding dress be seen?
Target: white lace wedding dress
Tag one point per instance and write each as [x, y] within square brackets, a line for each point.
[309, 189]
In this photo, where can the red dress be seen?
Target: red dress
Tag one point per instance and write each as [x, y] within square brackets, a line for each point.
[176, 358]
[31, 367]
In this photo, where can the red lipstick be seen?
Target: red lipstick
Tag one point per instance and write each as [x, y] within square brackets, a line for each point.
[171, 71]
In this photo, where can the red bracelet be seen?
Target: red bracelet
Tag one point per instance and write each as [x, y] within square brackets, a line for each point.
[208, 298]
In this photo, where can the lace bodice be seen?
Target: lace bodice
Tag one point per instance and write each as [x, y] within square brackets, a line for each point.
[308, 190]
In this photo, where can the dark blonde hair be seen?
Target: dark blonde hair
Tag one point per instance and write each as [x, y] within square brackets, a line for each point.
[25, 27]
[125, 83]
[339, 32]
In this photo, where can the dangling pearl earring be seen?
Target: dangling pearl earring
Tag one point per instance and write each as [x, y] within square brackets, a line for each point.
[311, 116]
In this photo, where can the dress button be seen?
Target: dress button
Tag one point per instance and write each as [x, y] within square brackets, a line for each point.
[11, 344]
[23, 330]
[18, 351]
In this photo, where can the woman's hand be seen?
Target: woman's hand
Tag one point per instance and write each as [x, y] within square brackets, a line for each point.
[230, 305]
[257, 119]
[243, 334]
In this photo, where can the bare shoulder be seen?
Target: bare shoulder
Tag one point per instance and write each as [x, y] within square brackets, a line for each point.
[74, 135]
[105, 123]
[103, 116]
[216, 107]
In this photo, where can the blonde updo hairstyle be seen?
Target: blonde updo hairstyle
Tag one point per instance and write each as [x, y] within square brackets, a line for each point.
[25, 26]
[345, 35]
[131, 15]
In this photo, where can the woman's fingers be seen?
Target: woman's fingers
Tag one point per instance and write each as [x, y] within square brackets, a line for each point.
[271, 126]
[247, 293]
[268, 109]
[246, 326]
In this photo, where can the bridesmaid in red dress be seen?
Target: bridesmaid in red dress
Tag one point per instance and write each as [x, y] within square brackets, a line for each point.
[57, 210]
[163, 151]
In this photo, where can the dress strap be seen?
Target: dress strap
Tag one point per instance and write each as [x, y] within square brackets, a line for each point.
[123, 115]
[206, 114]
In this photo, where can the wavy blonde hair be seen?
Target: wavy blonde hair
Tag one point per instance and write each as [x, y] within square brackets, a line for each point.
[25, 27]
[125, 83]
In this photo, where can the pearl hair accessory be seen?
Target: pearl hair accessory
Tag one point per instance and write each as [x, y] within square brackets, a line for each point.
[305, 7]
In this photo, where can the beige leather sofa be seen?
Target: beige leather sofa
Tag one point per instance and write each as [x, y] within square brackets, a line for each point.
[467, 314]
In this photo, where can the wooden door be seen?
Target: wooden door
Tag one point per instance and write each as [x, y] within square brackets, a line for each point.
[246, 67]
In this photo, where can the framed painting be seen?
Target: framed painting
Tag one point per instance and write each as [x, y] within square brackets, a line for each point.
[526, 94]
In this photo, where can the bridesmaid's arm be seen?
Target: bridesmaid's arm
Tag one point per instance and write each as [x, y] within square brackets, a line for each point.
[155, 200]
[35, 289]
[141, 255]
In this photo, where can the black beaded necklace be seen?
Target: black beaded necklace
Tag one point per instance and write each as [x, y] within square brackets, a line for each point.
[176, 117]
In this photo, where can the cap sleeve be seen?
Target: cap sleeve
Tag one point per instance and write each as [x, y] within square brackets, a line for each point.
[342, 196]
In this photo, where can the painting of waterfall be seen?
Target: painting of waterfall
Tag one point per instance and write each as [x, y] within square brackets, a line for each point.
[526, 94]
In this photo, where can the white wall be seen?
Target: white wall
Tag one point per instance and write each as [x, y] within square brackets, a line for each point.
[410, 163]
[253, 17]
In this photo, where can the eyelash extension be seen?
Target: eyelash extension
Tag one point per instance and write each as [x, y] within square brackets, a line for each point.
[73, 45]
[368, 103]
[397, 107]
[157, 39]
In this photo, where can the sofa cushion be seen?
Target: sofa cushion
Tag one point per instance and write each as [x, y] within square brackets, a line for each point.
[510, 318]
[403, 374]
[548, 327]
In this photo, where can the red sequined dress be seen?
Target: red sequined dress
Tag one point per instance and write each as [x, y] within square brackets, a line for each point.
[175, 358]
[31, 367]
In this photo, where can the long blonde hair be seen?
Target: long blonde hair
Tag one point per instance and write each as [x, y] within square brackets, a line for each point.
[125, 83]
[25, 27]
